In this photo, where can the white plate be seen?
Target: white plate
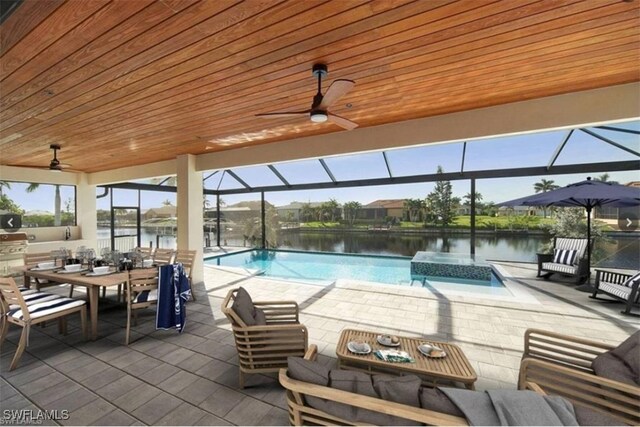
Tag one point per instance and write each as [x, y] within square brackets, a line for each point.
[367, 348]
[45, 268]
[386, 343]
[93, 273]
[426, 350]
[63, 271]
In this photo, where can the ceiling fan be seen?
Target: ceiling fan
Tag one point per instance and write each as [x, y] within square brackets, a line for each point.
[55, 164]
[318, 112]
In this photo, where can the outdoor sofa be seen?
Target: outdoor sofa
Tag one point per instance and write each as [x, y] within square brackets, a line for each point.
[568, 258]
[400, 402]
[620, 286]
[600, 377]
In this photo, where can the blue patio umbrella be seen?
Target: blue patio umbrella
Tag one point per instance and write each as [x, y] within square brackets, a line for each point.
[587, 194]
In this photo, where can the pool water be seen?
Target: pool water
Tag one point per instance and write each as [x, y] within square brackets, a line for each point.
[330, 267]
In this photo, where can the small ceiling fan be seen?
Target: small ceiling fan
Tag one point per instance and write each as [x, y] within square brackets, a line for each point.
[318, 112]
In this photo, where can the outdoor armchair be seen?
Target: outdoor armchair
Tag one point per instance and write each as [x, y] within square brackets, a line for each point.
[564, 365]
[271, 336]
[621, 286]
[578, 266]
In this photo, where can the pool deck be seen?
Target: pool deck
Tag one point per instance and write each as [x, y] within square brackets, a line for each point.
[190, 379]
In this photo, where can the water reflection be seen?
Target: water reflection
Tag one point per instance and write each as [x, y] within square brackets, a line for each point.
[622, 252]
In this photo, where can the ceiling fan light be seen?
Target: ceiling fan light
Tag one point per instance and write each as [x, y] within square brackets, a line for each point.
[318, 116]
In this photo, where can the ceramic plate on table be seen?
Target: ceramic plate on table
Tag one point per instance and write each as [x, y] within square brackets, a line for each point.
[358, 348]
[95, 273]
[63, 271]
[44, 268]
[386, 341]
[427, 350]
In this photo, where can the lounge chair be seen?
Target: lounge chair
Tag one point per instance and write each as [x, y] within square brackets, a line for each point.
[265, 332]
[566, 262]
[591, 374]
[620, 286]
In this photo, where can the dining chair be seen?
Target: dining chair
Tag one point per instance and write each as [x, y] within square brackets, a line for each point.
[186, 258]
[39, 308]
[32, 260]
[163, 256]
[145, 251]
[141, 292]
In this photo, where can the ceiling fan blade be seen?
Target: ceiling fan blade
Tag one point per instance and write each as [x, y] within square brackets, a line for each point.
[283, 114]
[336, 91]
[342, 122]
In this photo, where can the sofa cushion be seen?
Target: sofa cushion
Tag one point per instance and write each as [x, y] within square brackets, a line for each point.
[404, 389]
[609, 366]
[308, 371]
[352, 381]
[243, 307]
[433, 399]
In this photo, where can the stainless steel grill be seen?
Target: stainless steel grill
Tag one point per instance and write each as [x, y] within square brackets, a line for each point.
[12, 249]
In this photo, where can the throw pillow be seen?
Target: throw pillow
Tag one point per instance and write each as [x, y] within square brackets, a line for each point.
[629, 352]
[243, 306]
[631, 281]
[564, 256]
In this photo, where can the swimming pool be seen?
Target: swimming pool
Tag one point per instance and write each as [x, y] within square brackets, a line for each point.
[317, 266]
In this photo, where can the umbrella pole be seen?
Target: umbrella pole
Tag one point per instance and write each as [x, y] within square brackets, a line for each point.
[588, 243]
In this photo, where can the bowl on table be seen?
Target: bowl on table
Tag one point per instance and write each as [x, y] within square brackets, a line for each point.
[101, 270]
[73, 267]
[49, 264]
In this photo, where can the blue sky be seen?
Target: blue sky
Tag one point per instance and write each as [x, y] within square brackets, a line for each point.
[495, 153]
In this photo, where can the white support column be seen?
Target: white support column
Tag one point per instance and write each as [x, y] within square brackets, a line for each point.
[86, 214]
[190, 222]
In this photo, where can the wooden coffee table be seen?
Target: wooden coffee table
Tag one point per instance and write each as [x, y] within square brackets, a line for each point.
[455, 367]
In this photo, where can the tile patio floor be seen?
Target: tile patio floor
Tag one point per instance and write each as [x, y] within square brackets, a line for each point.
[191, 379]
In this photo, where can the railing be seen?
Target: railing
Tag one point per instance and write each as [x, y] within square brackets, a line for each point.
[123, 244]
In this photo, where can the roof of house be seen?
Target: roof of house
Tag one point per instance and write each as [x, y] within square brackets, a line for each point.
[385, 203]
[299, 205]
[163, 210]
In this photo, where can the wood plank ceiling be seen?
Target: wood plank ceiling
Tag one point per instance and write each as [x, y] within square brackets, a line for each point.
[120, 82]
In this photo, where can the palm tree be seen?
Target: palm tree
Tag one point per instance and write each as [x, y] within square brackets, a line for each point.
[414, 207]
[605, 178]
[3, 185]
[351, 211]
[542, 187]
[57, 219]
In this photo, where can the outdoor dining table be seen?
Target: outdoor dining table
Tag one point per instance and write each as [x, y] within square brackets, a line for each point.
[91, 283]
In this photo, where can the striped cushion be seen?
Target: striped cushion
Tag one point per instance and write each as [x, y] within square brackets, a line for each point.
[35, 298]
[560, 268]
[614, 289]
[579, 245]
[26, 291]
[631, 281]
[46, 308]
[146, 296]
[564, 256]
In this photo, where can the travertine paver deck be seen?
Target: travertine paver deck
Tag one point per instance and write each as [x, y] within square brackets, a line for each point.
[191, 379]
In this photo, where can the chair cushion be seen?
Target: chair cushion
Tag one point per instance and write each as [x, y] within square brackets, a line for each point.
[631, 281]
[46, 308]
[35, 298]
[433, 399]
[146, 296]
[560, 268]
[26, 291]
[260, 318]
[609, 366]
[243, 307]
[404, 389]
[589, 417]
[615, 289]
[564, 256]
[629, 352]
